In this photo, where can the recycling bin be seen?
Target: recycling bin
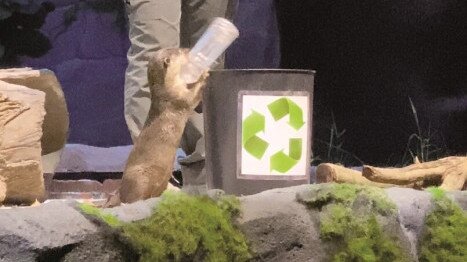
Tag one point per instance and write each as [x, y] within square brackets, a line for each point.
[258, 127]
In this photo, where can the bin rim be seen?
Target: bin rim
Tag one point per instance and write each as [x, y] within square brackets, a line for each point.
[267, 70]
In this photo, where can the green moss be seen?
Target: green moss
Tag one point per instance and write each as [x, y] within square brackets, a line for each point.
[445, 236]
[360, 238]
[334, 223]
[357, 234]
[93, 211]
[346, 194]
[186, 228]
[437, 193]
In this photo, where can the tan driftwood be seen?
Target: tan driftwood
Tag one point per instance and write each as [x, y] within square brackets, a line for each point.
[328, 172]
[451, 170]
[21, 117]
[150, 164]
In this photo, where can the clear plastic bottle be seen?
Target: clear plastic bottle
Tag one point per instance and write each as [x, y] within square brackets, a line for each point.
[218, 36]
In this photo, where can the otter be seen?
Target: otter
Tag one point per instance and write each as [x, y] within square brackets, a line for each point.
[149, 166]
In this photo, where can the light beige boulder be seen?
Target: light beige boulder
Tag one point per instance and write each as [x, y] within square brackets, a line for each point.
[2, 189]
[21, 117]
[56, 122]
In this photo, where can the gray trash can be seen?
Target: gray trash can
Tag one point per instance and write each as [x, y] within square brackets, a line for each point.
[258, 129]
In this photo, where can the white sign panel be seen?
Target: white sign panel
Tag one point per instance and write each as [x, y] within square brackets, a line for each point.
[274, 135]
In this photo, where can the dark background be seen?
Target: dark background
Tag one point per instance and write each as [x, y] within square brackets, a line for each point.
[370, 57]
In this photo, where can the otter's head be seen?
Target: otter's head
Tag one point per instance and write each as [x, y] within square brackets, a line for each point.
[165, 82]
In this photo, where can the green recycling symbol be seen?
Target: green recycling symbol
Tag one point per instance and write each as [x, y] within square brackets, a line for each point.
[256, 146]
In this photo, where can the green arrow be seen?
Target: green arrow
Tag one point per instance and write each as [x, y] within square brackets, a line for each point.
[283, 163]
[295, 148]
[295, 115]
[283, 106]
[252, 125]
[279, 108]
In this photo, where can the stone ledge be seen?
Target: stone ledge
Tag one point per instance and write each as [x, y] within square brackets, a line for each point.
[279, 228]
[26, 232]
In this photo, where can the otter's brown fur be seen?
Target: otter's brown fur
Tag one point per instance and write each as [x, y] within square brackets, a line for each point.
[150, 164]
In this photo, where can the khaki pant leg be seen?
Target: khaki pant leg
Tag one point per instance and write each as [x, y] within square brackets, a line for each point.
[153, 24]
[196, 16]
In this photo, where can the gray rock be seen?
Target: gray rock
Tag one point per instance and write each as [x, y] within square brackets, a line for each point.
[134, 211]
[309, 193]
[270, 208]
[460, 197]
[413, 206]
[26, 232]
[101, 247]
[279, 228]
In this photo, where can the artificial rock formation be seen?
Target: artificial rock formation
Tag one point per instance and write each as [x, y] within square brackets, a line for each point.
[449, 173]
[2, 189]
[284, 224]
[26, 234]
[56, 121]
[21, 116]
[150, 163]
[33, 122]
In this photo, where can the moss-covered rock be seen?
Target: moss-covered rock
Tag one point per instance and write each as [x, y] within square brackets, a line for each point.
[353, 220]
[445, 235]
[184, 228]
[335, 222]
[346, 194]
[96, 213]
[190, 228]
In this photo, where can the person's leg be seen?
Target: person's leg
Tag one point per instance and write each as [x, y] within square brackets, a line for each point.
[153, 24]
[196, 16]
